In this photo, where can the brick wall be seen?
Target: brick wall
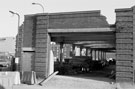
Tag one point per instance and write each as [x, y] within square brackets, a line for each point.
[42, 46]
[36, 35]
[29, 31]
[90, 19]
[134, 42]
[124, 45]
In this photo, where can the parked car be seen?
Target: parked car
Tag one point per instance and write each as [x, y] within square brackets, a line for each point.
[4, 61]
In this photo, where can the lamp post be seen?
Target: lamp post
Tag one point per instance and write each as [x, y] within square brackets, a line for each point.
[18, 18]
[18, 25]
[17, 49]
[39, 5]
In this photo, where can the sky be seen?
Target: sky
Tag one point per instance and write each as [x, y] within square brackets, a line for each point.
[9, 22]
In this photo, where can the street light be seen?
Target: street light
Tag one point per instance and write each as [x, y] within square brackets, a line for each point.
[18, 18]
[39, 5]
[18, 23]
[17, 59]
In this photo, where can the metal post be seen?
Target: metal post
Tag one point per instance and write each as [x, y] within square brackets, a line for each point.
[17, 49]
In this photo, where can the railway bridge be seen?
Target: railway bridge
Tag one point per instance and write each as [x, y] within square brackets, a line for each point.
[87, 29]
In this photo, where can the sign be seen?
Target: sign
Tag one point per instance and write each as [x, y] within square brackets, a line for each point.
[16, 60]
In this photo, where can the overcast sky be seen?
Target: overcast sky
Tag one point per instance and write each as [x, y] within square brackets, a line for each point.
[8, 22]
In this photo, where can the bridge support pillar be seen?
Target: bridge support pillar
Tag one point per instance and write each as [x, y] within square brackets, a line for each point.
[125, 45]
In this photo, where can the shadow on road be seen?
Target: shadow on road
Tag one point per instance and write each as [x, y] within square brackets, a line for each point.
[99, 76]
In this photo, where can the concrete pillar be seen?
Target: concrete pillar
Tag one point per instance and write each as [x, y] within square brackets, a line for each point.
[101, 55]
[86, 51]
[61, 53]
[105, 55]
[50, 56]
[73, 50]
[98, 54]
[80, 51]
[91, 52]
[95, 54]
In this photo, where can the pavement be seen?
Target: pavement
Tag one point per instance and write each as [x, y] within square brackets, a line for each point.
[68, 82]
[125, 86]
[72, 82]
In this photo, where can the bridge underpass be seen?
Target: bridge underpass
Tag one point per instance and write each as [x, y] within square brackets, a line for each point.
[97, 42]
[87, 29]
